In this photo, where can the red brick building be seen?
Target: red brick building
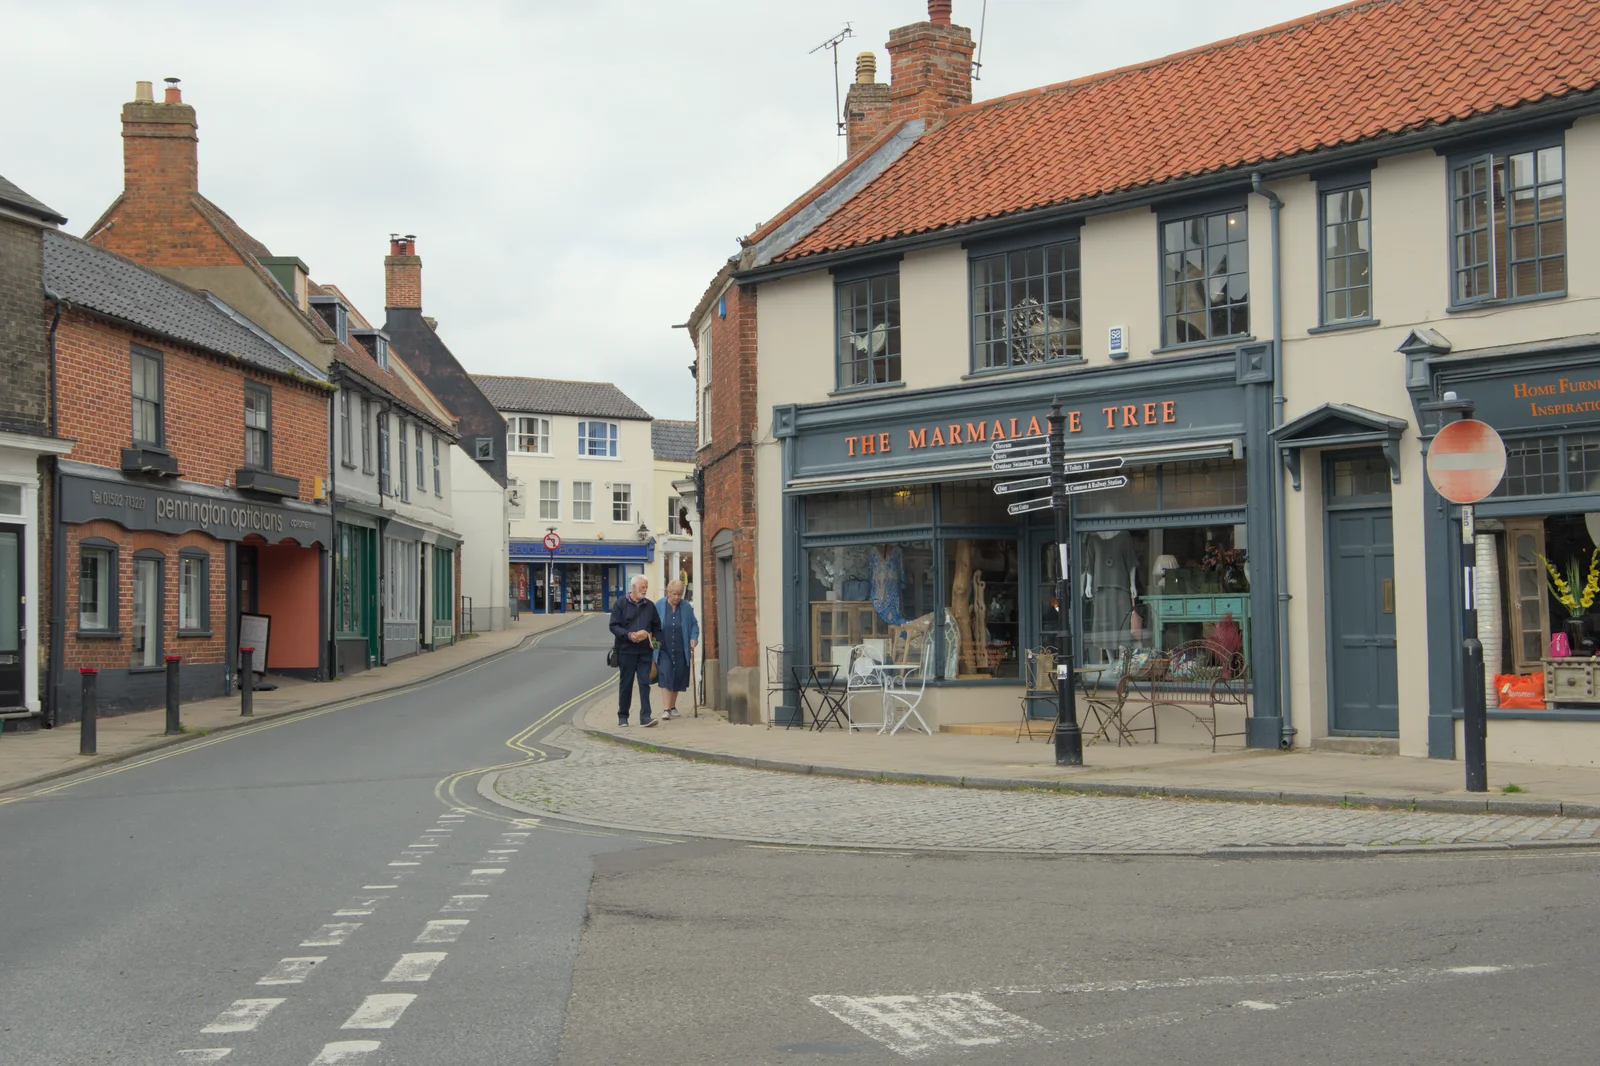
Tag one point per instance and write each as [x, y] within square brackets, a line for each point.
[192, 497]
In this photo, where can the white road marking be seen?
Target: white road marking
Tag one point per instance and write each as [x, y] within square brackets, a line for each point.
[331, 935]
[524, 836]
[1474, 969]
[243, 1016]
[920, 1026]
[292, 971]
[359, 906]
[380, 1011]
[442, 931]
[502, 851]
[370, 888]
[484, 876]
[204, 1054]
[418, 966]
[345, 1052]
[1256, 1004]
[463, 903]
[405, 864]
[422, 846]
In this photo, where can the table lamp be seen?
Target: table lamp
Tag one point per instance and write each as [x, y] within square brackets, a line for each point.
[1164, 563]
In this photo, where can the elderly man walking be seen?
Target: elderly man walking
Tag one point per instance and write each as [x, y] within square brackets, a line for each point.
[635, 625]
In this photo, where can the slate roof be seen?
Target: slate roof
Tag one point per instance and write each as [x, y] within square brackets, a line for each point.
[1339, 77]
[87, 276]
[354, 358]
[547, 396]
[673, 441]
[14, 198]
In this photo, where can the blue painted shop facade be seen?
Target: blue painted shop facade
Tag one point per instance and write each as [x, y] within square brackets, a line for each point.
[577, 576]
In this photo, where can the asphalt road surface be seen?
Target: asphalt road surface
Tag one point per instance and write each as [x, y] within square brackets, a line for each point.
[331, 890]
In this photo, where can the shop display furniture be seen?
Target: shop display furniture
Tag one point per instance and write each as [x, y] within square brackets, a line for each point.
[1197, 607]
[905, 684]
[843, 624]
[1038, 694]
[822, 693]
[1216, 676]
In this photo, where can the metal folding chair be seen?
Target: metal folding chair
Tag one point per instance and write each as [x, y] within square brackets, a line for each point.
[1039, 690]
[898, 688]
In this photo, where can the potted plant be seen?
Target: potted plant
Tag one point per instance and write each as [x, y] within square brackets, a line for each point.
[1228, 565]
[1577, 602]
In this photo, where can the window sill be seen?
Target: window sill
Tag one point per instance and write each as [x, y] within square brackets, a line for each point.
[347, 466]
[1027, 368]
[532, 455]
[97, 634]
[1562, 714]
[1340, 327]
[1508, 301]
[602, 458]
[198, 633]
[1212, 342]
[882, 386]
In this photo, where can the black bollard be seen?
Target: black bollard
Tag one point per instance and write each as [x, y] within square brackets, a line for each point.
[247, 683]
[174, 723]
[91, 710]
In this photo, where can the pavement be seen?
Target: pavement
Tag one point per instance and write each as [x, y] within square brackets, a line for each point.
[1232, 773]
[45, 754]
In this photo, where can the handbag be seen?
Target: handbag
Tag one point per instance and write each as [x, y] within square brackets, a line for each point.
[654, 673]
[611, 658]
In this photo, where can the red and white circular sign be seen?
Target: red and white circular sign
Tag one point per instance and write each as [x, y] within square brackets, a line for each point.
[552, 541]
[1466, 461]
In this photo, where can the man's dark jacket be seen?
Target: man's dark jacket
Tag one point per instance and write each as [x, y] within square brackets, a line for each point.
[630, 617]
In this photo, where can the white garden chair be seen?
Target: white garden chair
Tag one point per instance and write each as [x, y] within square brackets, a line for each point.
[862, 676]
[906, 689]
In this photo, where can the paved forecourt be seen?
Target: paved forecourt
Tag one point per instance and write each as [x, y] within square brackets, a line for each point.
[607, 784]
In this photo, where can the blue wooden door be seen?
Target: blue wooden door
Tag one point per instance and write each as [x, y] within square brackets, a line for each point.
[1362, 681]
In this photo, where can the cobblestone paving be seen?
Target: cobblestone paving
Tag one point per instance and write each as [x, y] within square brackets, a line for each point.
[606, 784]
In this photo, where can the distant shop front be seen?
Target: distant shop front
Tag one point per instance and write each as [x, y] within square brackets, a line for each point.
[578, 575]
[894, 535]
[153, 570]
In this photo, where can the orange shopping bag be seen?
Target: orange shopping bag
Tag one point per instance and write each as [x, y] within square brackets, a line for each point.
[1520, 691]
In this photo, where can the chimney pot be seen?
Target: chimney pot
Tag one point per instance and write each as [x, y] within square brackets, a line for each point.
[143, 92]
[174, 94]
[939, 12]
[866, 68]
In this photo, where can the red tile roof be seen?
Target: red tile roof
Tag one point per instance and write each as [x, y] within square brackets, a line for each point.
[1338, 77]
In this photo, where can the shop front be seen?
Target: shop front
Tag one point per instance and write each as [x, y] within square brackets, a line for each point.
[577, 576]
[899, 541]
[355, 617]
[1536, 545]
[156, 570]
[22, 624]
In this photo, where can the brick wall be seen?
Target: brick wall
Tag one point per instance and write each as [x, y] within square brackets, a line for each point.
[730, 475]
[204, 406]
[930, 69]
[24, 332]
[115, 653]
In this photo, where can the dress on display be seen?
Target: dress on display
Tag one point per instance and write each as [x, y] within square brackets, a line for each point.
[888, 574]
[1108, 569]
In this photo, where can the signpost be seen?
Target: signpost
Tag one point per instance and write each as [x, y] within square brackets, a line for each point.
[1048, 453]
[552, 541]
[1466, 461]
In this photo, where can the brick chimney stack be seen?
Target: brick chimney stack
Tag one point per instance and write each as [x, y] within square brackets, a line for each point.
[930, 66]
[866, 105]
[402, 273]
[160, 149]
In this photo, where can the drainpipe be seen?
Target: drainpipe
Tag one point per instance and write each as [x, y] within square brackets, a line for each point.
[58, 548]
[1280, 564]
[333, 514]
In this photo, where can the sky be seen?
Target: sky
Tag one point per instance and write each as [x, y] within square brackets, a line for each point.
[575, 172]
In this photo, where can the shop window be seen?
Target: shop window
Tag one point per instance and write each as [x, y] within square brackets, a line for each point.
[355, 559]
[1527, 595]
[1347, 255]
[982, 600]
[869, 331]
[401, 562]
[836, 511]
[258, 427]
[194, 592]
[148, 424]
[1205, 278]
[1147, 590]
[892, 508]
[1027, 307]
[881, 595]
[550, 500]
[973, 503]
[597, 440]
[147, 610]
[583, 501]
[366, 435]
[97, 588]
[1533, 467]
[438, 483]
[1190, 485]
[527, 435]
[1583, 462]
[1508, 225]
[622, 503]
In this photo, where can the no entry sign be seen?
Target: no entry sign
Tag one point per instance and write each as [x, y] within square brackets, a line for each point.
[1467, 460]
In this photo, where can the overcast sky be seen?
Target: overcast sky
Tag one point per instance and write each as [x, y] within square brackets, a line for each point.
[574, 172]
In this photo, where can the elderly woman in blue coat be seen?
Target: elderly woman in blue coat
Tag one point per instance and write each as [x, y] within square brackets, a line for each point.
[680, 632]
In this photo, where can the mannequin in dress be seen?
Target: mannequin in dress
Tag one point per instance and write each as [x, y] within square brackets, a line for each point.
[1110, 586]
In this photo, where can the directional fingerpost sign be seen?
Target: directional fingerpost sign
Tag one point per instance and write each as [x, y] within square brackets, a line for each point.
[1024, 506]
[1000, 466]
[1001, 488]
[1095, 485]
[1090, 466]
[1022, 444]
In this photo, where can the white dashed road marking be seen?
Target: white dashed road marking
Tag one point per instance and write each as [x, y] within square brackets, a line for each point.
[484, 876]
[330, 936]
[418, 966]
[360, 905]
[380, 1011]
[373, 888]
[919, 1026]
[442, 931]
[1256, 1004]
[292, 971]
[204, 1054]
[502, 851]
[345, 1052]
[463, 903]
[243, 1016]
[405, 864]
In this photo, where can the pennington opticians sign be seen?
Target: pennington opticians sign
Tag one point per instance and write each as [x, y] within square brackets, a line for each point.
[142, 507]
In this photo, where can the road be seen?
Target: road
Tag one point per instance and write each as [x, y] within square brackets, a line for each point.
[332, 889]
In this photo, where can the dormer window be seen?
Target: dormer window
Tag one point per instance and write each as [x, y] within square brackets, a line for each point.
[376, 342]
[335, 314]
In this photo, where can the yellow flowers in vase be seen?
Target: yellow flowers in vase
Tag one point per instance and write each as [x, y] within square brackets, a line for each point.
[1561, 587]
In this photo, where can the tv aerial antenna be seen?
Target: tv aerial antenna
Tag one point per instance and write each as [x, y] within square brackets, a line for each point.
[832, 44]
[977, 62]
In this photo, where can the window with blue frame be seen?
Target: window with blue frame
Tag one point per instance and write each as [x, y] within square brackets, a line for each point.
[1205, 278]
[1508, 225]
[597, 440]
[869, 331]
[1027, 307]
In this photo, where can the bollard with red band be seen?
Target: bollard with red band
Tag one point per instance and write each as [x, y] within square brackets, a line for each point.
[247, 682]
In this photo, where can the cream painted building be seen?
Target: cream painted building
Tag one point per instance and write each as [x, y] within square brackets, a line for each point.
[1273, 335]
[581, 467]
[672, 521]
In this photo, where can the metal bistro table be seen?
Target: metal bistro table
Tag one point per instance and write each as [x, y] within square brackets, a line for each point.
[825, 684]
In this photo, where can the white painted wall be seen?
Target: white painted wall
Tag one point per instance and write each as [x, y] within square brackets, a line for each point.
[479, 504]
